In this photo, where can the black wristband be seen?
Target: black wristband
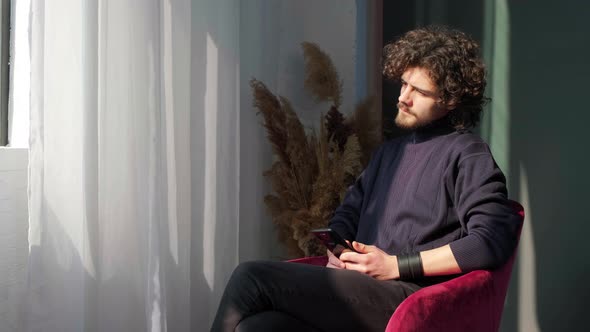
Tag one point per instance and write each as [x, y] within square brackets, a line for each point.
[410, 266]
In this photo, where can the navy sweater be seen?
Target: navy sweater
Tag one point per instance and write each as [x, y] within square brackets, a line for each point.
[434, 187]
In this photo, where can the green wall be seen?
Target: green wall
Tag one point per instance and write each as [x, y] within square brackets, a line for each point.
[538, 53]
[549, 61]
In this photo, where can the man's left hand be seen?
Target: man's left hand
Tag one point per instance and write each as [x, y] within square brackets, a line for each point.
[372, 261]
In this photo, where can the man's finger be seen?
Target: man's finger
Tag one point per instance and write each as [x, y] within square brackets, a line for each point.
[338, 263]
[333, 260]
[362, 248]
[351, 257]
[356, 267]
[332, 266]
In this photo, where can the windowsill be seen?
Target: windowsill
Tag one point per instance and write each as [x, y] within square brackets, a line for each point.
[13, 158]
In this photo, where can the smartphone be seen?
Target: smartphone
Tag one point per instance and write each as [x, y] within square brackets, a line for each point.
[332, 240]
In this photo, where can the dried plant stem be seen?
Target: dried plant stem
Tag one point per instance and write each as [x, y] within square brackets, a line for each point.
[312, 172]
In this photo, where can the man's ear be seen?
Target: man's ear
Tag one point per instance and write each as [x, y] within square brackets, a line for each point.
[451, 105]
[447, 108]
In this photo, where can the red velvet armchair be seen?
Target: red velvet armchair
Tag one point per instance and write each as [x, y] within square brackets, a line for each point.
[471, 302]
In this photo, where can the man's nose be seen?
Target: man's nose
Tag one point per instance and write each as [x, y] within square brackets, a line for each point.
[404, 96]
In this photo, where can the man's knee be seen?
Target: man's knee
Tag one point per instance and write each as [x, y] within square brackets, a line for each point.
[248, 274]
[272, 321]
[249, 269]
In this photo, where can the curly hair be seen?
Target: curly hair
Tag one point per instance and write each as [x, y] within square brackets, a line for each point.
[454, 65]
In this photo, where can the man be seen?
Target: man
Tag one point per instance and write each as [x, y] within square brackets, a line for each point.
[429, 206]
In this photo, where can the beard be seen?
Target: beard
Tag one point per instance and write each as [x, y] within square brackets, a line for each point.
[407, 120]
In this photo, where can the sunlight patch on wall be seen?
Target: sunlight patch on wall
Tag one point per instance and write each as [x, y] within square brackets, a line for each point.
[499, 140]
[495, 126]
[169, 111]
[210, 213]
[527, 297]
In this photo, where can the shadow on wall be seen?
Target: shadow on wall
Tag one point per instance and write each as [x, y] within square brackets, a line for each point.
[199, 291]
[548, 78]
[213, 155]
[56, 273]
[98, 293]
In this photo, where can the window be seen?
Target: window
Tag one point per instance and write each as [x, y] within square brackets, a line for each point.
[4, 71]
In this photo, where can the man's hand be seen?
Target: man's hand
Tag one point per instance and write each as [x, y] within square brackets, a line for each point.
[370, 260]
[333, 261]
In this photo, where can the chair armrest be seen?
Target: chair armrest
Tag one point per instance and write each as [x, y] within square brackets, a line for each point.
[471, 302]
[465, 303]
[316, 260]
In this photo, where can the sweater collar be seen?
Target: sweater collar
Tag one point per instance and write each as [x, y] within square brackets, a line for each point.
[432, 130]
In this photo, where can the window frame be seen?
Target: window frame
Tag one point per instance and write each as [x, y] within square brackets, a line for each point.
[5, 9]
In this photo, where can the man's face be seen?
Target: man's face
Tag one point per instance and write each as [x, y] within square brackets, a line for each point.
[418, 103]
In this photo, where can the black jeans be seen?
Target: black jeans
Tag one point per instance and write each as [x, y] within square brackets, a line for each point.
[282, 296]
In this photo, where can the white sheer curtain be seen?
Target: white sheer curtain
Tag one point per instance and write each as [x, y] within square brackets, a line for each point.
[134, 163]
[146, 156]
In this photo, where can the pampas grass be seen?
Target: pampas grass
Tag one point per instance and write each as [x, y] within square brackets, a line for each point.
[312, 171]
[366, 123]
[321, 77]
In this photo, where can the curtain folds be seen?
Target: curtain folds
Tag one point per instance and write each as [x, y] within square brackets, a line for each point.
[133, 193]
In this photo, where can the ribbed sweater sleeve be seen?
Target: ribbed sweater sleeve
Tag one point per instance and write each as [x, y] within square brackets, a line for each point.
[483, 209]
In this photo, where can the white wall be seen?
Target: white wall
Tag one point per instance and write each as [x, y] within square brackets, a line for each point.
[13, 233]
[270, 36]
[330, 24]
